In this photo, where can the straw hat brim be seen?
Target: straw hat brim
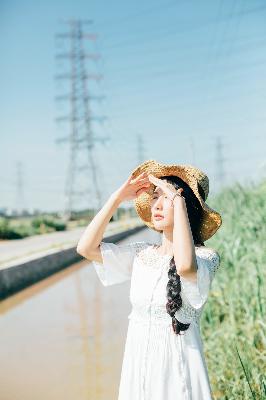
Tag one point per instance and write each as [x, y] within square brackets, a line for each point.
[211, 219]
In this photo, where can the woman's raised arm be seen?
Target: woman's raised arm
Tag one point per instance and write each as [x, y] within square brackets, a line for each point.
[88, 244]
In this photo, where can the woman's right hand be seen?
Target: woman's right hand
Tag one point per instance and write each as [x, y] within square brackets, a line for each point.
[132, 188]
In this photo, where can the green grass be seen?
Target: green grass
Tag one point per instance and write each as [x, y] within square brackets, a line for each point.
[233, 322]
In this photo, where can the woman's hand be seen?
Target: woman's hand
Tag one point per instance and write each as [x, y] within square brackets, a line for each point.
[166, 187]
[132, 188]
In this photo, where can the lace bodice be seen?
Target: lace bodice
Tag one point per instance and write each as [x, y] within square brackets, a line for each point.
[148, 271]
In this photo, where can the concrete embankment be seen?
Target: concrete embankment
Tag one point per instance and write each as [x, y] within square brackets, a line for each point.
[36, 258]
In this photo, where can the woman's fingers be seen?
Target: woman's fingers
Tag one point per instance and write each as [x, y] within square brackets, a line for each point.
[138, 177]
[154, 179]
[129, 179]
[140, 181]
[143, 180]
[141, 190]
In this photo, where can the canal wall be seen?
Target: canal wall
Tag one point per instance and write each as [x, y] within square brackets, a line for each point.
[22, 274]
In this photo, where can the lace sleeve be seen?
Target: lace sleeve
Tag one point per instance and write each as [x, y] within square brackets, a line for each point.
[117, 262]
[196, 293]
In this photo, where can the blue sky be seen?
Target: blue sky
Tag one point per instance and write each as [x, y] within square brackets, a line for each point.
[185, 75]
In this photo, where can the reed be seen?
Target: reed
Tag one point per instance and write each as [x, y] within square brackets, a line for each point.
[233, 322]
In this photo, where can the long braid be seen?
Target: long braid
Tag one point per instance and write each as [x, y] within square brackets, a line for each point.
[173, 289]
[174, 299]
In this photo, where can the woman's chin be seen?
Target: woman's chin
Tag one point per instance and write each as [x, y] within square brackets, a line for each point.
[162, 225]
[159, 223]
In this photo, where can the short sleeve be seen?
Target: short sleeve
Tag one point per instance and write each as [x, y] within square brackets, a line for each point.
[117, 262]
[196, 293]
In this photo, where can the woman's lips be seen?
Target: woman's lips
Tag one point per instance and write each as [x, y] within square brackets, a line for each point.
[158, 218]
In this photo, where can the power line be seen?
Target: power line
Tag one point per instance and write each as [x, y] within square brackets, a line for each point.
[189, 29]
[180, 105]
[243, 47]
[133, 16]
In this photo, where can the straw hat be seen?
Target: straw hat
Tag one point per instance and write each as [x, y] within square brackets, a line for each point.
[194, 177]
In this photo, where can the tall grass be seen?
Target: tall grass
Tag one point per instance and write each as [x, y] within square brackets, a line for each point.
[233, 323]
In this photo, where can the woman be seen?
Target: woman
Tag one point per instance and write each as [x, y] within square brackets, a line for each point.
[170, 283]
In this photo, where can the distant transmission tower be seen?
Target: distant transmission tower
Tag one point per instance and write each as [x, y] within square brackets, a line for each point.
[192, 151]
[81, 137]
[220, 163]
[141, 149]
[20, 199]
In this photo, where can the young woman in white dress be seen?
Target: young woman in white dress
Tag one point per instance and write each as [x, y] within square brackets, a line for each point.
[170, 283]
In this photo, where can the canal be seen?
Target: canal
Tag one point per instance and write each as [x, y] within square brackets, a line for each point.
[63, 337]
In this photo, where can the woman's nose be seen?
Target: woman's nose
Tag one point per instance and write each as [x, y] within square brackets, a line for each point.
[159, 203]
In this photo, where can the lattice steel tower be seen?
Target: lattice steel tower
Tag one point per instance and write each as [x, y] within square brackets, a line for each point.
[79, 117]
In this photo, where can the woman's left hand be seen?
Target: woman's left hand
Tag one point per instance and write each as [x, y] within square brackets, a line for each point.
[166, 187]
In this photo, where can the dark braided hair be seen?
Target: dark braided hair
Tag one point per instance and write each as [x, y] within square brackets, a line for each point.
[194, 211]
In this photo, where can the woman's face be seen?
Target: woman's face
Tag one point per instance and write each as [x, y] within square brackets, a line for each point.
[161, 204]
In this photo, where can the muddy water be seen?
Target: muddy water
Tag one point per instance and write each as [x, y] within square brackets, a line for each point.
[63, 338]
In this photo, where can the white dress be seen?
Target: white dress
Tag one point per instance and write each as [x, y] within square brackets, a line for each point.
[158, 364]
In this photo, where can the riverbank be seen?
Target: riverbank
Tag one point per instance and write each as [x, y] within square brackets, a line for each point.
[26, 261]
